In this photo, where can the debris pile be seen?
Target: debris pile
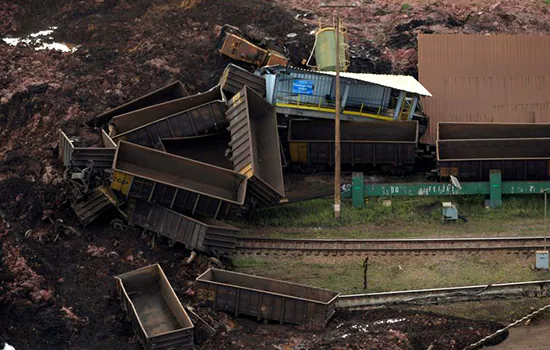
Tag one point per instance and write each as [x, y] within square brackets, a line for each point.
[179, 198]
[156, 42]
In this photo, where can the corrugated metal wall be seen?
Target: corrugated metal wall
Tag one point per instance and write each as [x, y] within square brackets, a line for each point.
[484, 78]
[369, 94]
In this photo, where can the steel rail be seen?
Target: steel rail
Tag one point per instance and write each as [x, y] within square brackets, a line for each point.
[251, 245]
[446, 295]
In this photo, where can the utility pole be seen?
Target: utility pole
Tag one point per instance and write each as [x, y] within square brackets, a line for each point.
[337, 173]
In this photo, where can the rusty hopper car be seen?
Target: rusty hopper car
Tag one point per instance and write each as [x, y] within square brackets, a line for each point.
[154, 309]
[209, 117]
[266, 298]
[210, 149]
[234, 78]
[80, 157]
[201, 233]
[390, 144]
[181, 184]
[255, 149]
[169, 92]
[129, 121]
[470, 150]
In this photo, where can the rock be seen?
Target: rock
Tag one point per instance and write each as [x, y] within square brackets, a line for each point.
[385, 19]
[130, 258]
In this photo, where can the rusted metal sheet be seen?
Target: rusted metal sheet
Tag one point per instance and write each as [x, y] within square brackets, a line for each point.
[384, 132]
[93, 205]
[266, 298]
[201, 233]
[210, 148]
[511, 170]
[470, 151]
[81, 157]
[493, 149]
[240, 49]
[234, 78]
[466, 131]
[129, 121]
[178, 183]
[152, 306]
[311, 143]
[255, 148]
[169, 92]
[209, 117]
[484, 78]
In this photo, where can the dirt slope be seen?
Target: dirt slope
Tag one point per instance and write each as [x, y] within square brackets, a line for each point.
[59, 294]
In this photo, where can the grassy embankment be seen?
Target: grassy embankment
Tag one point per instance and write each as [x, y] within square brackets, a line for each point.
[407, 217]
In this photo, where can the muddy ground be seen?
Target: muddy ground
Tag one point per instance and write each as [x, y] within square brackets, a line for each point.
[57, 292]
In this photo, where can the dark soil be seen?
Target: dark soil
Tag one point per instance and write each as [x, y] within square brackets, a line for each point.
[383, 329]
[57, 291]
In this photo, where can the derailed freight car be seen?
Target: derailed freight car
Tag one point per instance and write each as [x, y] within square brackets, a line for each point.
[201, 233]
[267, 299]
[469, 151]
[181, 184]
[391, 144]
[255, 148]
[74, 156]
[156, 314]
[234, 78]
[136, 119]
[209, 117]
[169, 92]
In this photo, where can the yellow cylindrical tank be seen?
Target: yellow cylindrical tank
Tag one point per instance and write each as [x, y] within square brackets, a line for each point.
[325, 49]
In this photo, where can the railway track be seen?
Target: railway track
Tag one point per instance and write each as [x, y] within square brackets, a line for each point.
[297, 247]
[445, 295]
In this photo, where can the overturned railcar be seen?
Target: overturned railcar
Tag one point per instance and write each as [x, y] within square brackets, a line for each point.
[157, 315]
[74, 156]
[267, 299]
[169, 92]
[181, 184]
[469, 151]
[213, 98]
[389, 144]
[255, 148]
[206, 118]
[200, 233]
[234, 78]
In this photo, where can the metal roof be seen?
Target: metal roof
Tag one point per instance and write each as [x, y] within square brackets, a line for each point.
[398, 82]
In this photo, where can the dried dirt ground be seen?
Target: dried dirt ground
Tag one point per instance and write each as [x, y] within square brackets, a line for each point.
[60, 294]
[530, 337]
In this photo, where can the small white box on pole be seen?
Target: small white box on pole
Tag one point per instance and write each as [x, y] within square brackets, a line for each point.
[542, 259]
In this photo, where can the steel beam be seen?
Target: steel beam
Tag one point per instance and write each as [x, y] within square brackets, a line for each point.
[495, 188]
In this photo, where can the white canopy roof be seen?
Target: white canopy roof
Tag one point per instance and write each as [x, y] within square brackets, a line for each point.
[398, 82]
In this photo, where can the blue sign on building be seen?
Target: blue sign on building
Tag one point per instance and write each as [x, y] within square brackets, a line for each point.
[302, 87]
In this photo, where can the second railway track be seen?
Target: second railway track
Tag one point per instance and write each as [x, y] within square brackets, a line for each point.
[278, 246]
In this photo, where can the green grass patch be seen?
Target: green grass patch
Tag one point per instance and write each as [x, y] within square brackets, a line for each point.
[547, 2]
[391, 273]
[403, 211]
[406, 7]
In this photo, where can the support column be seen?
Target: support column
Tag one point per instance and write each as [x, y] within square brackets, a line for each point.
[345, 96]
[413, 108]
[495, 188]
[358, 190]
[400, 102]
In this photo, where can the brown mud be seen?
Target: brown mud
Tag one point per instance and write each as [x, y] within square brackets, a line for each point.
[57, 290]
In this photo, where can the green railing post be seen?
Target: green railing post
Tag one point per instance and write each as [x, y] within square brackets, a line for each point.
[495, 188]
[358, 190]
